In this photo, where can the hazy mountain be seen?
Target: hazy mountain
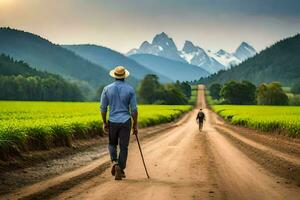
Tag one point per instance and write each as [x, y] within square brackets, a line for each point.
[44, 55]
[109, 58]
[162, 45]
[18, 81]
[175, 70]
[11, 67]
[244, 51]
[280, 62]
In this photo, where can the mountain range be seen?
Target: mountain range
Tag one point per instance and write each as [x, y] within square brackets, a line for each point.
[164, 46]
[167, 69]
[88, 65]
[176, 70]
[46, 56]
[109, 58]
[279, 62]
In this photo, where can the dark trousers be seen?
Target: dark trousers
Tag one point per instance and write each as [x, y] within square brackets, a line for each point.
[119, 133]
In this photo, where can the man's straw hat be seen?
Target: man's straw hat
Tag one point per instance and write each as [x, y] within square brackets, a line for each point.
[119, 72]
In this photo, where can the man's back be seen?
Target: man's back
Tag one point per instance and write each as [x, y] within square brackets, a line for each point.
[200, 116]
[120, 97]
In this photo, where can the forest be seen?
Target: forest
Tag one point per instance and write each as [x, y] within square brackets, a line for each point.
[18, 81]
[279, 62]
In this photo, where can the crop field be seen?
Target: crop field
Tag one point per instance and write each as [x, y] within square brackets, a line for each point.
[44, 124]
[282, 119]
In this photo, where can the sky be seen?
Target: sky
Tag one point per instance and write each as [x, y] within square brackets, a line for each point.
[124, 24]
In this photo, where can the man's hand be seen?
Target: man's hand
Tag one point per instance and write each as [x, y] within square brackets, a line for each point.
[135, 130]
[105, 127]
[105, 124]
[135, 123]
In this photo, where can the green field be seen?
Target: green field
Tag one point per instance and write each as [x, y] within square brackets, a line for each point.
[282, 119]
[46, 124]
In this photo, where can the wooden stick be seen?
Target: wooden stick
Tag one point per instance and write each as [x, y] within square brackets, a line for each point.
[137, 139]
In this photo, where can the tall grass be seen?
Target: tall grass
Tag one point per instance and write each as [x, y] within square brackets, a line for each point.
[282, 119]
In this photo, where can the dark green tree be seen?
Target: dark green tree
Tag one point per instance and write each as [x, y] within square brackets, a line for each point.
[150, 89]
[98, 93]
[171, 95]
[238, 92]
[271, 94]
[152, 92]
[214, 90]
[249, 92]
[185, 87]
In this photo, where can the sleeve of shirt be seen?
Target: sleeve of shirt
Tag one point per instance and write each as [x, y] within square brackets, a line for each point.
[133, 104]
[103, 101]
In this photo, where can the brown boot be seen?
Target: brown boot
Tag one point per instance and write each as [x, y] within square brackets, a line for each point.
[118, 175]
[123, 174]
[113, 170]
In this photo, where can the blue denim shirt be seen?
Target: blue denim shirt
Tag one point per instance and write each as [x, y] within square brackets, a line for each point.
[120, 97]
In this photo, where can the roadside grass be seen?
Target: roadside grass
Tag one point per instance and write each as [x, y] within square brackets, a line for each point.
[278, 119]
[193, 99]
[210, 101]
[28, 126]
[281, 119]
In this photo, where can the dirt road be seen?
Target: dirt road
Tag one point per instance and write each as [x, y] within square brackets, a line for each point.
[186, 164]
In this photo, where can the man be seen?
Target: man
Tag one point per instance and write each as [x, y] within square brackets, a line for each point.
[200, 118]
[120, 97]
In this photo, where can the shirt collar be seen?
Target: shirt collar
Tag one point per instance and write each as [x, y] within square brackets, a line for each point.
[119, 82]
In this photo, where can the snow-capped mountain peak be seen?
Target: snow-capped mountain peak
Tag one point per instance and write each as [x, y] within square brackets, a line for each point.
[246, 45]
[244, 51]
[189, 47]
[195, 55]
[145, 45]
[164, 41]
[225, 58]
[164, 46]
[222, 52]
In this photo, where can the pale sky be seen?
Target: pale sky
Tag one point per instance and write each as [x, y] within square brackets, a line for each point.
[125, 24]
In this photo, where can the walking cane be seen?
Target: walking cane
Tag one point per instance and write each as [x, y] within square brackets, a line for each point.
[137, 139]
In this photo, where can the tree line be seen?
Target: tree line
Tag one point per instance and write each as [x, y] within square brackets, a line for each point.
[38, 89]
[244, 92]
[151, 91]
[20, 82]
